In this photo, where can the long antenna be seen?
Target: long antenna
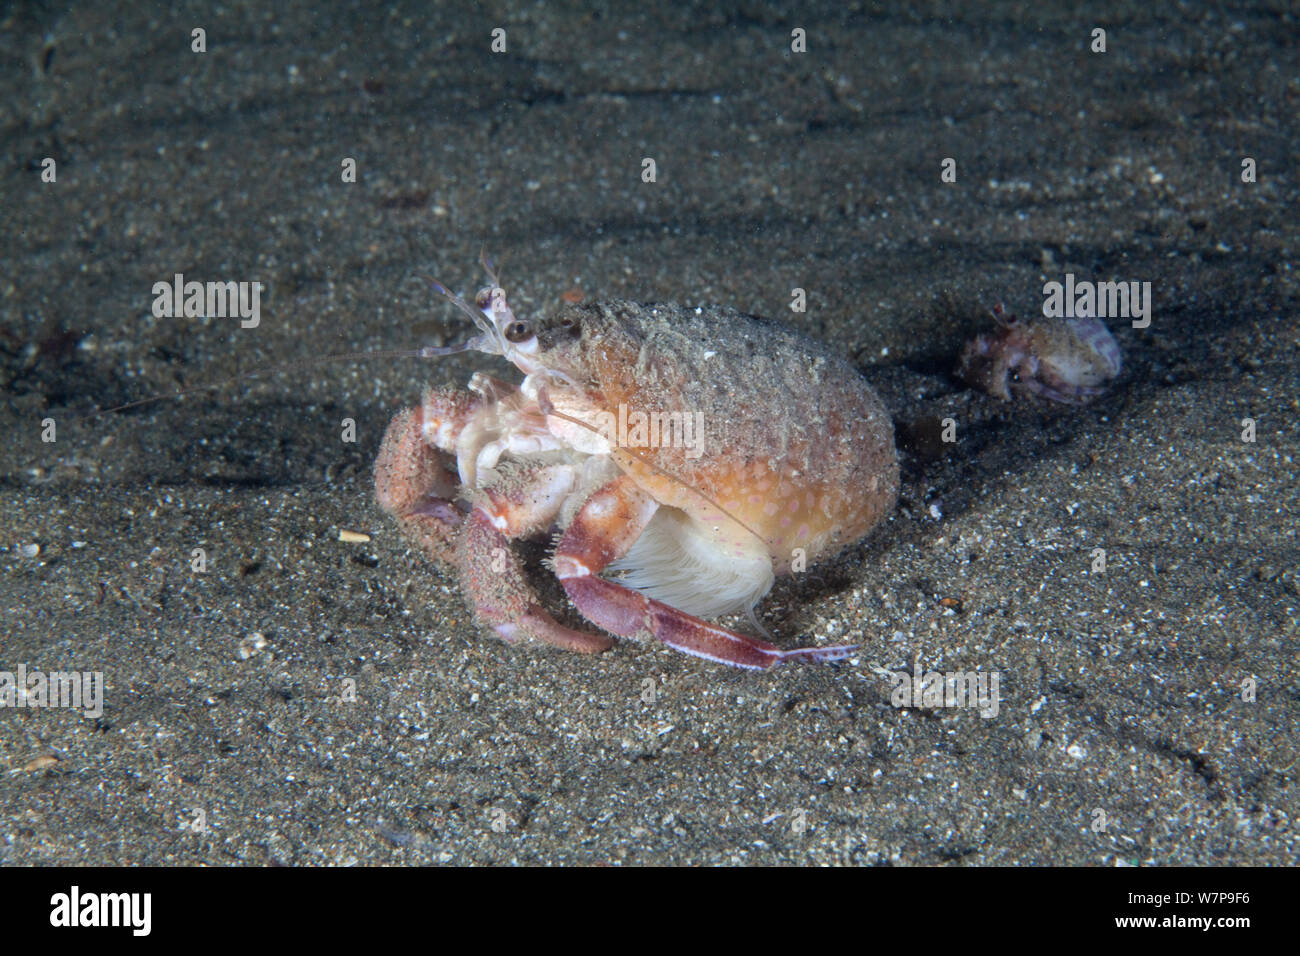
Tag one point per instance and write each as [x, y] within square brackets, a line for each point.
[426, 352]
[429, 351]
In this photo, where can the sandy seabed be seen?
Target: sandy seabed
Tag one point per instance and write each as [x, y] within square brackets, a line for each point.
[308, 700]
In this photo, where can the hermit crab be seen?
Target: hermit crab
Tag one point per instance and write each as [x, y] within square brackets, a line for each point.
[1064, 360]
[685, 456]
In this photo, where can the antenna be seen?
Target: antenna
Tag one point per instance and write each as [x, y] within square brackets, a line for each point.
[426, 352]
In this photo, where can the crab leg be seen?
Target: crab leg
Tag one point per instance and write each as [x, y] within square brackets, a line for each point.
[493, 582]
[602, 531]
[492, 578]
[415, 483]
[1076, 395]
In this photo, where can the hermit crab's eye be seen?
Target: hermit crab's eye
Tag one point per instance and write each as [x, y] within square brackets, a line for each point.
[518, 331]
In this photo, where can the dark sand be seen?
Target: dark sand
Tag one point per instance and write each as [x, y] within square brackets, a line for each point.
[1121, 693]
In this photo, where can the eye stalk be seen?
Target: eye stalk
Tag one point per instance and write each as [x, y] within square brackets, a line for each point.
[501, 331]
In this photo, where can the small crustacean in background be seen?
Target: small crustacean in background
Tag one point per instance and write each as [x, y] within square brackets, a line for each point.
[771, 452]
[1064, 360]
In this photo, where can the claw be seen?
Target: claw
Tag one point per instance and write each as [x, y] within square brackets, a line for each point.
[414, 484]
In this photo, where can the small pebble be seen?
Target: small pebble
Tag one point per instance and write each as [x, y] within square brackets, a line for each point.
[250, 645]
